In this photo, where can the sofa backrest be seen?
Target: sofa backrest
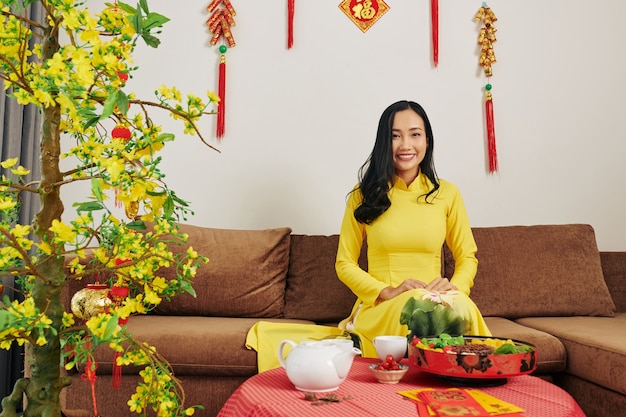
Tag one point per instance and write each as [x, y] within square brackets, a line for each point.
[313, 290]
[544, 270]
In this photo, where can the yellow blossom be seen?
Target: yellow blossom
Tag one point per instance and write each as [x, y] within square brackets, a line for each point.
[68, 319]
[191, 253]
[7, 204]
[8, 163]
[213, 97]
[21, 171]
[135, 404]
[150, 296]
[159, 284]
[63, 232]
[20, 230]
[45, 248]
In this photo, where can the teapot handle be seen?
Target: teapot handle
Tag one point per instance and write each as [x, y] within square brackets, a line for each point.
[281, 358]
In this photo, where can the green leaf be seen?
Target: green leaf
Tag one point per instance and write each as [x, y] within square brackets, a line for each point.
[6, 319]
[156, 193]
[150, 40]
[168, 207]
[186, 286]
[109, 105]
[178, 200]
[166, 137]
[137, 225]
[87, 112]
[88, 206]
[111, 326]
[126, 7]
[96, 190]
[122, 102]
[154, 20]
[137, 20]
[407, 311]
[144, 6]
[91, 121]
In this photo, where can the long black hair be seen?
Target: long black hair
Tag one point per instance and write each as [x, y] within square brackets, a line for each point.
[376, 175]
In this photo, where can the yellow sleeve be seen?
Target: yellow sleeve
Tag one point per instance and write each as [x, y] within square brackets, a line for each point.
[351, 236]
[460, 240]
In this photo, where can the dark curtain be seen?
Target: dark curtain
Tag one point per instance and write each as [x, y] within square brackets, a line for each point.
[19, 137]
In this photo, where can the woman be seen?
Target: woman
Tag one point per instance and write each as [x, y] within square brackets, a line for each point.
[406, 213]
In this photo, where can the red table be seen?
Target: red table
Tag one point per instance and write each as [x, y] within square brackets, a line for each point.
[271, 394]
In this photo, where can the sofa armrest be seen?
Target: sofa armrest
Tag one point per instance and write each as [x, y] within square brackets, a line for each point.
[614, 270]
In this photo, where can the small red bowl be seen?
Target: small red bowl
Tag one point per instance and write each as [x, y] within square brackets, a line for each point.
[474, 365]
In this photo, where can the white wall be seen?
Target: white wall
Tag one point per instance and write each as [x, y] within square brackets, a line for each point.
[301, 122]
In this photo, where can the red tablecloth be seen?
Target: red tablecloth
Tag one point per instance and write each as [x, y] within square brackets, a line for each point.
[271, 394]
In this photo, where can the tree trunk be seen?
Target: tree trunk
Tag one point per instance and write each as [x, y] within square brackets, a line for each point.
[45, 383]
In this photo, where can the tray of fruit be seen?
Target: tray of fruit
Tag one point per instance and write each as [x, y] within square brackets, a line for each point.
[473, 357]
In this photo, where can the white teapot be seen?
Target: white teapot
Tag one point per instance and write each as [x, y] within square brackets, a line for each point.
[317, 366]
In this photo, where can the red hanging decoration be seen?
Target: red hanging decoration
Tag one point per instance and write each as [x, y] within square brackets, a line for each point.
[219, 23]
[90, 375]
[221, 92]
[117, 295]
[290, 13]
[491, 134]
[486, 38]
[434, 17]
[364, 13]
[120, 132]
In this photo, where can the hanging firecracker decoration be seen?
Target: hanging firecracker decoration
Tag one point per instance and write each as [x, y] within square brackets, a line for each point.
[117, 295]
[97, 299]
[219, 23]
[364, 13]
[290, 12]
[120, 132]
[434, 26]
[486, 38]
[86, 303]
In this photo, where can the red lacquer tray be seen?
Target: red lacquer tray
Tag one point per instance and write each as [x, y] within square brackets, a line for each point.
[474, 365]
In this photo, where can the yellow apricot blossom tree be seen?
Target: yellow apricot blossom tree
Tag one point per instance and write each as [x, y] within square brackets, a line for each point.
[74, 66]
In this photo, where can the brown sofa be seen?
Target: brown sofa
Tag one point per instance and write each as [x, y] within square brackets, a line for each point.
[547, 285]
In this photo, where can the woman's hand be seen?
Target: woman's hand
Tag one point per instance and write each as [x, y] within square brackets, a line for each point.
[390, 292]
[440, 284]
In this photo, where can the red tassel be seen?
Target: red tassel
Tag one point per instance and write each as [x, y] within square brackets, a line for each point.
[221, 91]
[290, 12]
[117, 295]
[117, 372]
[90, 375]
[491, 135]
[434, 16]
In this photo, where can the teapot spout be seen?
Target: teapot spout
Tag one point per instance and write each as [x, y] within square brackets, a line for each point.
[343, 361]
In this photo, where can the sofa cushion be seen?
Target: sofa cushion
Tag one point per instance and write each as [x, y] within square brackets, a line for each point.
[313, 290]
[245, 276]
[614, 271]
[596, 346]
[546, 270]
[551, 356]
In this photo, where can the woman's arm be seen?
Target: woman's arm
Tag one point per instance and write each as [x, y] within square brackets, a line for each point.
[351, 236]
[460, 240]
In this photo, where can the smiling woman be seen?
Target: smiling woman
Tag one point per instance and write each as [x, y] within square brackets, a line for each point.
[409, 144]
[405, 212]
